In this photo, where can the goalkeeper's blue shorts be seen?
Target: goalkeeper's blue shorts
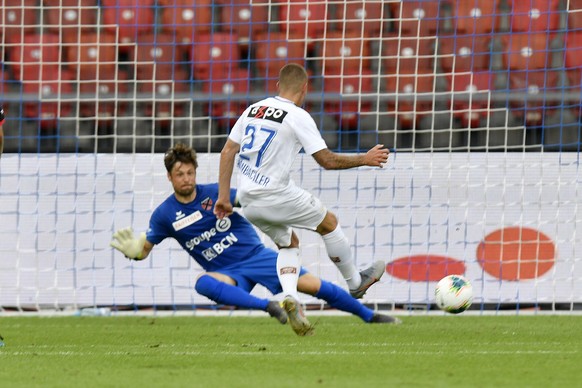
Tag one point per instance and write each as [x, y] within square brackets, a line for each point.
[260, 269]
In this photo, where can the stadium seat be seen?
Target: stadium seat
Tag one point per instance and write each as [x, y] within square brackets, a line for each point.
[128, 19]
[228, 96]
[101, 96]
[186, 18]
[413, 96]
[574, 10]
[475, 16]
[272, 51]
[245, 18]
[347, 104]
[534, 15]
[18, 17]
[573, 50]
[158, 56]
[305, 18]
[68, 18]
[532, 104]
[408, 52]
[96, 52]
[32, 55]
[419, 18]
[345, 51]
[526, 51]
[461, 53]
[47, 109]
[214, 52]
[160, 101]
[470, 101]
[364, 17]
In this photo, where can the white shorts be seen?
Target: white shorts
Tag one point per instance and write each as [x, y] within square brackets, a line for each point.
[304, 211]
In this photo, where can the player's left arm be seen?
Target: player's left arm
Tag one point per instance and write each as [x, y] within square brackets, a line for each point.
[377, 156]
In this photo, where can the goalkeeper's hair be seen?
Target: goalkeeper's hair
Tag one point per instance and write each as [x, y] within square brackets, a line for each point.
[180, 153]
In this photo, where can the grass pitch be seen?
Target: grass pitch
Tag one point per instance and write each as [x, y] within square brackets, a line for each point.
[425, 351]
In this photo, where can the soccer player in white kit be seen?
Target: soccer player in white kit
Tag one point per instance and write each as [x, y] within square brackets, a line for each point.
[267, 138]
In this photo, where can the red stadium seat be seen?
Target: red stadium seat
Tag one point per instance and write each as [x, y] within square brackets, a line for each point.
[227, 94]
[475, 16]
[48, 90]
[364, 17]
[526, 51]
[464, 53]
[412, 100]
[68, 18]
[535, 85]
[470, 99]
[216, 51]
[574, 14]
[95, 53]
[345, 51]
[128, 19]
[305, 18]
[101, 95]
[34, 54]
[18, 17]
[186, 18]
[165, 105]
[419, 18]
[573, 50]
[348, 85]
[534, 15]
[272, 51]
[245, 18]
[158, 56]
[408, 53]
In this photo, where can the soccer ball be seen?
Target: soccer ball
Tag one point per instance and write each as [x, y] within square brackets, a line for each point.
[454, 294]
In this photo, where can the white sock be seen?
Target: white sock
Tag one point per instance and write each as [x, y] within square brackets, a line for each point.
[338, 249]
[288, 266]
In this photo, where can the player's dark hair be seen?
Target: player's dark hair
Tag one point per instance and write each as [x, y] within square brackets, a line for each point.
[180, 153]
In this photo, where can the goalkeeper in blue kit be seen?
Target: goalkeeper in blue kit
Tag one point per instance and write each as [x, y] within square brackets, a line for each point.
[228, 249]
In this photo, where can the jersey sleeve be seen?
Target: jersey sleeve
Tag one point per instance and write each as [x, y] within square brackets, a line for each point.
[237, 131]
[308, 134]
[156, 232]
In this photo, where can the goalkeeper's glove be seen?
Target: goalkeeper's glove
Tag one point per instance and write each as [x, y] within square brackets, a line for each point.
[126, 243]
[2, 117]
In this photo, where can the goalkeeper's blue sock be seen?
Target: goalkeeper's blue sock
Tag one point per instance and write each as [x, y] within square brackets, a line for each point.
[227, 294]
[338, 298]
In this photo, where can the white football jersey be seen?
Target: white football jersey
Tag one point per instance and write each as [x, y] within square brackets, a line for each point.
[271, 133]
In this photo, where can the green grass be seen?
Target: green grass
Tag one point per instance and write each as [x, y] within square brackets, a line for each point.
[425, 351]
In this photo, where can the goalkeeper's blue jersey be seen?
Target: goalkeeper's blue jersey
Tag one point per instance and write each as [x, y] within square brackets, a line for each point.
[213, 243]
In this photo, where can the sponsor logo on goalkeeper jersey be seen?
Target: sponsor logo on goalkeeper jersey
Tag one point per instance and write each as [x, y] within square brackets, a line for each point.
[268, 113]
[218, 247]
[183, 222]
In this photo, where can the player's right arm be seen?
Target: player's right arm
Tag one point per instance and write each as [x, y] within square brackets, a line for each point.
[223, 205]
[133, 248]
[377, 156]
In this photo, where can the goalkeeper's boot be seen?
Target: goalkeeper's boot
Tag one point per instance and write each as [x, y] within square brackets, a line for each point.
[297, 320]
[369, 276]
[381, 318]
[276, 311]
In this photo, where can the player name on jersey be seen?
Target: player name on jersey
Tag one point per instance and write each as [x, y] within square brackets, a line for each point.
[252, 174]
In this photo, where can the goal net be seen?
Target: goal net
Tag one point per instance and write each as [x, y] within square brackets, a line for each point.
[478, 100]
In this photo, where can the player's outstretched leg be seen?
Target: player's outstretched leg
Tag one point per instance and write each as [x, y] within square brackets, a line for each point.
[381, 318]
[369, 276]
[297, 319]
[276, 311]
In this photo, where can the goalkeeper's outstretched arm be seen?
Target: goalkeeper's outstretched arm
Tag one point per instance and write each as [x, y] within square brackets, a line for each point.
[133, 248]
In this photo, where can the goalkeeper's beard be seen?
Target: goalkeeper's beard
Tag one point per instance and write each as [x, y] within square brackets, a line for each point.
[185, 191]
